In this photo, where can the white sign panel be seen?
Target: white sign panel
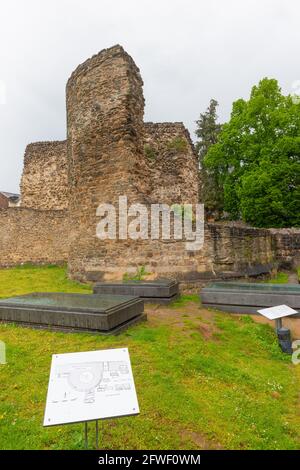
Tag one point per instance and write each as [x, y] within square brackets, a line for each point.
[89, 386]
[280, 311]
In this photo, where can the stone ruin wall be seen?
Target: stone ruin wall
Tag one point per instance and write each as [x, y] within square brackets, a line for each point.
[33, 236]
[105, 152]
[39, 237]
[150, 163]
[172, 163]
[229, 253]
[286, 245]
[44, 183]
[239, 251]
[38, 231]
[107, 139]
[111, 152]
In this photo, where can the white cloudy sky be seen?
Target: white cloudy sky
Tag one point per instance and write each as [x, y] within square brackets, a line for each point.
[188, 51]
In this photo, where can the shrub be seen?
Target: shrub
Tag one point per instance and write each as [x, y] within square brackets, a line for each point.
[178, 144]
[149, 152]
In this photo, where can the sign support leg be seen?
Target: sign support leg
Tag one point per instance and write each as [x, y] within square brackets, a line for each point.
[278, 323]
[86, 444]
[97, 434]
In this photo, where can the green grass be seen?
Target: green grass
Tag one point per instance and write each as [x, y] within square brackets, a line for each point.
[280, 278]
[233, 390]
[185, 300]
[25, 279]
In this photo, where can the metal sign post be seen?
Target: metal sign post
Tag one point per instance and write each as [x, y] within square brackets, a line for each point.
[284, 335]
[97, 434]
[90, 386]
[86, 432]
[278, 323]
[86, 442]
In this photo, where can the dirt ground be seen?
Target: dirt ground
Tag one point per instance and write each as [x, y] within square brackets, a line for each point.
[205, 318]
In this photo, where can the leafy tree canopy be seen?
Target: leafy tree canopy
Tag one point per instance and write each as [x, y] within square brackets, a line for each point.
[257, 158]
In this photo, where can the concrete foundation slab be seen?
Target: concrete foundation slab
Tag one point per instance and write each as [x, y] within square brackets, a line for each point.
[158, 291]
[249, 297]
[95, 313]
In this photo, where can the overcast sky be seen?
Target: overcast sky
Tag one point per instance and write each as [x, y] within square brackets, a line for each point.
[188, 51]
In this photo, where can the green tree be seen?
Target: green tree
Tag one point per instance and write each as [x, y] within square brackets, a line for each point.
[257, 158]
[207, 131]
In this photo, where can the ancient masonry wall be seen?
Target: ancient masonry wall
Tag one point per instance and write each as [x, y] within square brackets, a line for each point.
[229, 253]
[3, 202]
[286, 245]
[105, 107]
[44, 183]
[172, 163]
[38, 237]
[111, 152]
[33, 236]
[237, 251]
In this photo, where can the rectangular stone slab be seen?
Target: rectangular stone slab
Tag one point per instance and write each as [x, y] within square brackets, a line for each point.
[254, 287]
[71, 311]
[249, 297]
[160, 288]
[161, 300]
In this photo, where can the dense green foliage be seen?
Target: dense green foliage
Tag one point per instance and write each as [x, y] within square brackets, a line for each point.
[257, 158]
[207, 132]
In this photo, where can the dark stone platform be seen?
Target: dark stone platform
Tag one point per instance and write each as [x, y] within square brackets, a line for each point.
[159, 291]
[103, 314]
[249, 297]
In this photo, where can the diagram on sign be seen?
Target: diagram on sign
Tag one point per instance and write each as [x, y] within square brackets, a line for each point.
[92, 385]
[85, 381]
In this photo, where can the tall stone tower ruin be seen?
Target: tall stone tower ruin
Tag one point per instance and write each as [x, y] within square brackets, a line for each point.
[110, 152]
[106, 159]
[105, 108]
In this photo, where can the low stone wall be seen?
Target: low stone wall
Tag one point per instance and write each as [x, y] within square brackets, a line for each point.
[240, 251]
[31, 236]
[228, 252]
[286, 245]
[232, 252]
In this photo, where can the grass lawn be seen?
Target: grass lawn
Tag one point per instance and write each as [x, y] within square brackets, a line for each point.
[205, 380]
[280, 278]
